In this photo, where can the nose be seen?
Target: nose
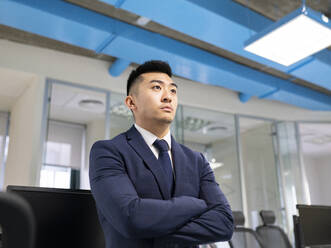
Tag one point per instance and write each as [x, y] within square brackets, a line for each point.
[166, 97]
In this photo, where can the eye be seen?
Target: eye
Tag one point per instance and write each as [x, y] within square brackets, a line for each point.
[174, 91]
[156, 87]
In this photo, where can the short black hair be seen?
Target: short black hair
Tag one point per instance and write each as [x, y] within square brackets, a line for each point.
[148, 66]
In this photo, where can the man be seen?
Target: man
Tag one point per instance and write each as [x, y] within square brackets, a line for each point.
[149, 190]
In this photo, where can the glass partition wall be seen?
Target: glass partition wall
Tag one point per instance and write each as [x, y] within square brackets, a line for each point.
[260, 170]
[315, 148]
[121, 118]
[76, 119]
[291, 171]
[213, 134]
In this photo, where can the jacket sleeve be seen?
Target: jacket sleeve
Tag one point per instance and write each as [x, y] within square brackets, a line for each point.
[214, 225]
[119, 203]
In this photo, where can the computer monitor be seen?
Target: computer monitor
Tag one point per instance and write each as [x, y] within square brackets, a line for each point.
[315, 224]
[64, 217]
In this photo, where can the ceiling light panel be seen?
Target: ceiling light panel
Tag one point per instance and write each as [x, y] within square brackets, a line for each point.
[293, 38]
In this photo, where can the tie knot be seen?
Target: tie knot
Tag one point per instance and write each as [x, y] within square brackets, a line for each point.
[161, 145]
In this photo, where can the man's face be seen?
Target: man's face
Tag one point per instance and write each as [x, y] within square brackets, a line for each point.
[155, 98]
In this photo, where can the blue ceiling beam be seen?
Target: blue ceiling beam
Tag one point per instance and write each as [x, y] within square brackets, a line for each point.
[227, 25]
[54, 23]
[308, 99]
[78, 26]
[318, 69]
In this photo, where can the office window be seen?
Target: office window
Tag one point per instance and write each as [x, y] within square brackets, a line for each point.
[55, 177]
[64, 151]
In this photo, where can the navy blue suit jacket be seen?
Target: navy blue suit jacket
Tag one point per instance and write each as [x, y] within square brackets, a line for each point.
[134, 207]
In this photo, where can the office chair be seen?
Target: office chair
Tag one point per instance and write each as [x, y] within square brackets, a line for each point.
[272, 236]
[17, 222]
[243, 237]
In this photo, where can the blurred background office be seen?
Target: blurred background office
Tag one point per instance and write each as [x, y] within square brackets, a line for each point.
[264, 127]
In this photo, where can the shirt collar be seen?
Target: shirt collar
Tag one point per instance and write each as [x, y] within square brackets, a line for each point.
[150, 137]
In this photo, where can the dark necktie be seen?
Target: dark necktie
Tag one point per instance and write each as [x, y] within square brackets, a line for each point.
[164, 158]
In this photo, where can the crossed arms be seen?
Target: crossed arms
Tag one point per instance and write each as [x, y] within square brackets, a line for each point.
[180, 220]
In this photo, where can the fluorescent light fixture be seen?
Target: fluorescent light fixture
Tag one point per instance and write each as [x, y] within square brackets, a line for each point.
[292, 38]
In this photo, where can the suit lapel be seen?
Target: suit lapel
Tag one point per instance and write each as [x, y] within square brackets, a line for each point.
[178, 160]
[137, 142]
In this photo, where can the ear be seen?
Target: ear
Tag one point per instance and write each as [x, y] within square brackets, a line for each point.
[129, 102]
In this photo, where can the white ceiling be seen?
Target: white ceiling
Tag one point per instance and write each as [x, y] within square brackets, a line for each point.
[65, 104]
[316, 138]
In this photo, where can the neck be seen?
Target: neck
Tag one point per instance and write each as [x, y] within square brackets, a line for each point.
[158, 129]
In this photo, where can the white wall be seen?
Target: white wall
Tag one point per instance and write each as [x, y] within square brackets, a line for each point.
[24, 151]
[95, 131]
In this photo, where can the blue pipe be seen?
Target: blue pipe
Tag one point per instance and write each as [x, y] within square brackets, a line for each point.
[118, 67]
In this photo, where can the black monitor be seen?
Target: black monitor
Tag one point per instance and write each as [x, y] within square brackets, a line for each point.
[315, 224]
[64, 217]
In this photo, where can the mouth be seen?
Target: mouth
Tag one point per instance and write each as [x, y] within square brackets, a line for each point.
[167, 109]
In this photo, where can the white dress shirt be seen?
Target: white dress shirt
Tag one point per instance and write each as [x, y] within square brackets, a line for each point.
[150, 138]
